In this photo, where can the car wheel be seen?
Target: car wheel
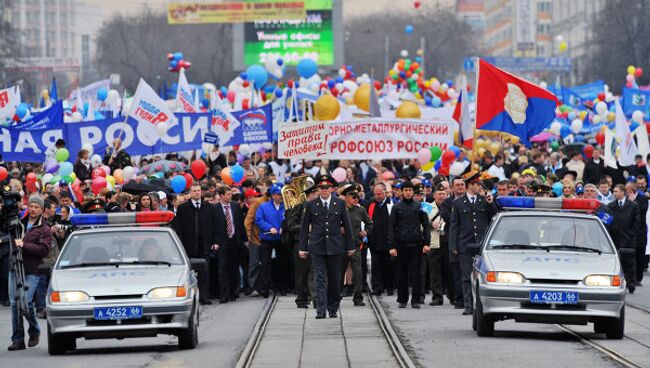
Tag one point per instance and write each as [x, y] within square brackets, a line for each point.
[484, 324]
[616, 327]
[600, 327]
[58, 344]
[188, 338]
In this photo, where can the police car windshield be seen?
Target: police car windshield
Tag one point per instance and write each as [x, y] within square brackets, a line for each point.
[120, 249]
[550, 233]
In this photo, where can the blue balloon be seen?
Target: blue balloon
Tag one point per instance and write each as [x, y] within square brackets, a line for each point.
[437, 165]
[571, 116]
[408, 29]
[331, 83]
[402, 74]
[173, 64]
[86, 108]
[307, 68]
[65, 169]
[102, 93]
[339, 79]
[280, 61]
[557, 188]
[427, 100]
[436, 102]
[237, 173]
[450, 82]
[455, 150]
[22, 110]
[289, 93]
[178, 183]
[258, 75]
[224, 90]
[565, 130]
[178, 56]
[278, 92]
[243, 75]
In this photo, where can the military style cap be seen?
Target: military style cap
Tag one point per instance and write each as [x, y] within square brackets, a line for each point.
[440, 188]
[350, 189]
[92, 206]
[325, 180]
[418, 189]
[472, 177]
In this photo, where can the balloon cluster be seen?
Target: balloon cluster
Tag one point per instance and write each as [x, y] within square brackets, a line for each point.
[632, 74]
[443, 162]
[176, 62]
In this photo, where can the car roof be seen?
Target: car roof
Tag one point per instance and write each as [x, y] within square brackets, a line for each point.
[126, 229]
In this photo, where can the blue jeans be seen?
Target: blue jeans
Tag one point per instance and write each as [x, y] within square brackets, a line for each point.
[41, 293]
[18, 329]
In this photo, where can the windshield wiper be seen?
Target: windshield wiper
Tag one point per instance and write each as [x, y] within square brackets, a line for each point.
[575, 247]
[91, 264]
[162, 263]
[519, 246]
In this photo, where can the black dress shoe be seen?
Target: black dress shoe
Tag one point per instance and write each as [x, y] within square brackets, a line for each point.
[320, 315]
[205, 302]
[16, 346]
[333, 315]
[459, 306]
[264, 294]
[359, 303]
[33, 341]
[302, 305]
[402, 305]
[390, 292]
[467, 312]
[415, 306]
[248, 292]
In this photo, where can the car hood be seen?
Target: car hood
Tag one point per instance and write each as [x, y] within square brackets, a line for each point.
[125, 280]
[559, 265]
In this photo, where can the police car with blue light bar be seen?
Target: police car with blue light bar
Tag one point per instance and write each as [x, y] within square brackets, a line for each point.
[115, 279]
[548, 263]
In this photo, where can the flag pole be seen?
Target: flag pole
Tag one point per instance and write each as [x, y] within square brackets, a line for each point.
[474, 131]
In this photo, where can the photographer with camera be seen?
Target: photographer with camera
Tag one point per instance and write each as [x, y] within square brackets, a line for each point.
[50, 217]
[34, 245]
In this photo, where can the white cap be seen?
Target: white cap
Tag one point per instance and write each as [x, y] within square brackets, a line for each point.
[162, 195]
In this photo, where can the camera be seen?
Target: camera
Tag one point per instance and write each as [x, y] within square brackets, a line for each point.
[10, 213]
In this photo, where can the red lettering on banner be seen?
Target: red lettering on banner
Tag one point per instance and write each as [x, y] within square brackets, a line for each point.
[160, 118]
[4, 99]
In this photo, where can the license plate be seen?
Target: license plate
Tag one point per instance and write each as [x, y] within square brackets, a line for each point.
[115, 313]
[554, 297]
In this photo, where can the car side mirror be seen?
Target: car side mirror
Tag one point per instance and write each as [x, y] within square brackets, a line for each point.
[473, 248]
[198, 264]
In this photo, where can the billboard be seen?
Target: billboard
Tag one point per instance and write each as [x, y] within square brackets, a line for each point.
[234, 12]
[293, 40]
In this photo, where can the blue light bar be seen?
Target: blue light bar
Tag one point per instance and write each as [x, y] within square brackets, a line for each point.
[85, 220]
[516, 202]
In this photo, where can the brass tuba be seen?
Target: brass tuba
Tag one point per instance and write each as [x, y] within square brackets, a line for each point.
[293, 193]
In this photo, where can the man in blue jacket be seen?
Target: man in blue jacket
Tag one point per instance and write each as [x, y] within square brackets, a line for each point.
[269, 217]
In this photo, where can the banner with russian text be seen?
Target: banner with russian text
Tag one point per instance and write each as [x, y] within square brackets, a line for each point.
[376, 138]
[304, 140]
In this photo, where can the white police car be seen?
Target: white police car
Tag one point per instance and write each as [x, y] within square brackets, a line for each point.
[121, 281]
[548, 267]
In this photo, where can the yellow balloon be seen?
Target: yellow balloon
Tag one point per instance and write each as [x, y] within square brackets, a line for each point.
[480, 143]
[73, 175]
[603, 129]
[480, 151]
[631, 69]
[611, 116]
[362, 97]
[408, 110]
[428, 166]
[583, 115]
[494, 148]
[456, 139]
[45, 94]
[327, 107]
[563, 46]
[111, 180]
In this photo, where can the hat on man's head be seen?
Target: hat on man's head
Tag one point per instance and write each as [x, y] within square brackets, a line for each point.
[351, 189]
[275, 189]
[472, 177]
[440, 188]
[36, 198]
[418, 189]
[162, 195]
[427, 183]
[93, 206]
[326, 180]
[251, 193]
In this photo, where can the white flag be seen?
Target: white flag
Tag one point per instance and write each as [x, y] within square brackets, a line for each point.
[184, 98]
[627, 147]
[9, 100]
[223, 123]
[90, 115]
[149, 110]
[610, 149]
[642, 140]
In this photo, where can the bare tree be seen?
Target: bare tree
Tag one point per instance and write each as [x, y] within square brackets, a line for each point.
[446, 41]
[621, 39]
[136, 47]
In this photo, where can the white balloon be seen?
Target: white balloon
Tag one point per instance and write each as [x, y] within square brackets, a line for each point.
[556, 126]
[559, 39]
[314, 88]
[350, 85]
[451, 93]
[88, 147]
[637, 116]
[444, 87]
[128, 173]
[161, 129]
[595, 119]
[601, 108]
[404, 53]
[95, 161]
[456, 169]
[342, 73]
[76, 117]
[245, 149]
[47, 178]
[576, 126]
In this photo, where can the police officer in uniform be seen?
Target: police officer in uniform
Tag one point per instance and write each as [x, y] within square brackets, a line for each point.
[470, 217]
[361, 227]
[326, 235]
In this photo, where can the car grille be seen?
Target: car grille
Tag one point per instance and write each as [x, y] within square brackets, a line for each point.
[554, 281]
[117, 297]
[560, 307]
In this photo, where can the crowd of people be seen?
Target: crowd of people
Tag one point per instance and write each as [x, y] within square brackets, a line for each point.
[254, 243]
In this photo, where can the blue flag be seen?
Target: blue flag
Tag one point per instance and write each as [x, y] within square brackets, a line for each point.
[54, 95]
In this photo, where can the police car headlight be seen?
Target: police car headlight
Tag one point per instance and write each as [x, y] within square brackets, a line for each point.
[505, 277]
[68, 297]
[167, 292]
[602, 280]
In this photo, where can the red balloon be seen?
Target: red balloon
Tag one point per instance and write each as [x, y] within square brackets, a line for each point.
[447, 158]
[444, 170]
[245, 104]
[589, 150]
[30, 178]
[600, 138]
[188, 180]
[246, 84]
[647, 127]
[335, 92]
[198, 169]
[601, 96]
[98, 184]
[230, 96]
[31, 186]
[417, 4]
[3, 173]
[638, 72]
[98, 172]
[377, 85]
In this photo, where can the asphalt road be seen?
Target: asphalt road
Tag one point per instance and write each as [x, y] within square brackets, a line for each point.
[223, 333]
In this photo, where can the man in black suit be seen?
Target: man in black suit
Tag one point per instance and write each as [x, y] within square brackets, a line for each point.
[194, 224]
[623, 229]
[383, 269]
[470, 218]
[454, 284]
[636, 196]
[231, 236]
[326, 235]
